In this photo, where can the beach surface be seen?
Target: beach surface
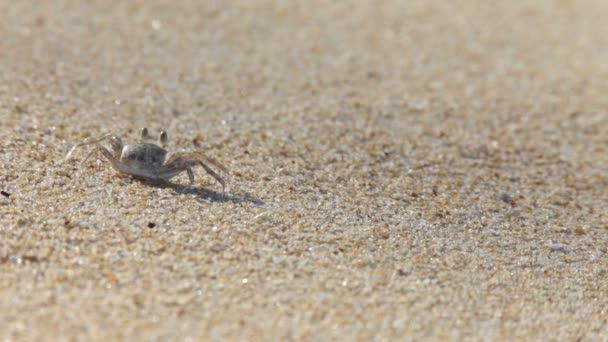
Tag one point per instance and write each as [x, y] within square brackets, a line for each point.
[398, 170]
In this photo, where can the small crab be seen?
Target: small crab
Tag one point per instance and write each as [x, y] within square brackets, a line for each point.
[148, 160]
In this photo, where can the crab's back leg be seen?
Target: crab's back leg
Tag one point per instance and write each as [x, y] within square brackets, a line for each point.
[212, 162]
[169, 170]
[202, 157]
[214, 175]
[184, 160]
[87, 142]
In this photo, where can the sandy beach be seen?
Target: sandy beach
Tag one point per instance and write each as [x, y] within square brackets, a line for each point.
[398, 170]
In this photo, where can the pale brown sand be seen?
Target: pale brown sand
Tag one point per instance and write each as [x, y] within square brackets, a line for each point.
[398, 169]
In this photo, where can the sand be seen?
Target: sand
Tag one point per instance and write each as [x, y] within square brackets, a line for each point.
[416, 170]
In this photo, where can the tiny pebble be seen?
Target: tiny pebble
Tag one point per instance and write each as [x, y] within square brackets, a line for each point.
[505, 197]
[5, 194]
[554, 246]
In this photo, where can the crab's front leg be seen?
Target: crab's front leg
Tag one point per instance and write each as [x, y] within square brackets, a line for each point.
[90, 141]
[107, 154]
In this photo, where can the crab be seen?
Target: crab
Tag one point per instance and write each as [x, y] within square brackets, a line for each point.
[149, 161]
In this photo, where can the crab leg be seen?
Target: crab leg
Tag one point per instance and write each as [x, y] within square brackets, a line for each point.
[107, 154]
[87, 142]
[214, 175]
[190, 176]
[205, 158]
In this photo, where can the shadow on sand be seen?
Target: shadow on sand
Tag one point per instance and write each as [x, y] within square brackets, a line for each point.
[202, 193]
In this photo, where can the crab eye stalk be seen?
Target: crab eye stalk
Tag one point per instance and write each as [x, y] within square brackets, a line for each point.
[163, 138]
[144, 133]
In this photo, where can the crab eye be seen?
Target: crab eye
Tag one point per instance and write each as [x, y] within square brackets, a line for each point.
[144, 133]
[163, 137]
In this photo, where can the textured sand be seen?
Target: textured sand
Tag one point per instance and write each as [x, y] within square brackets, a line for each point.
[421, 169]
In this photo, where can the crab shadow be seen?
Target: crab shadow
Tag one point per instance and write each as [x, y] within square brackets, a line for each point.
[202, 194]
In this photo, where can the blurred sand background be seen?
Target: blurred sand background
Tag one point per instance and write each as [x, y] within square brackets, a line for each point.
[398, 169]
